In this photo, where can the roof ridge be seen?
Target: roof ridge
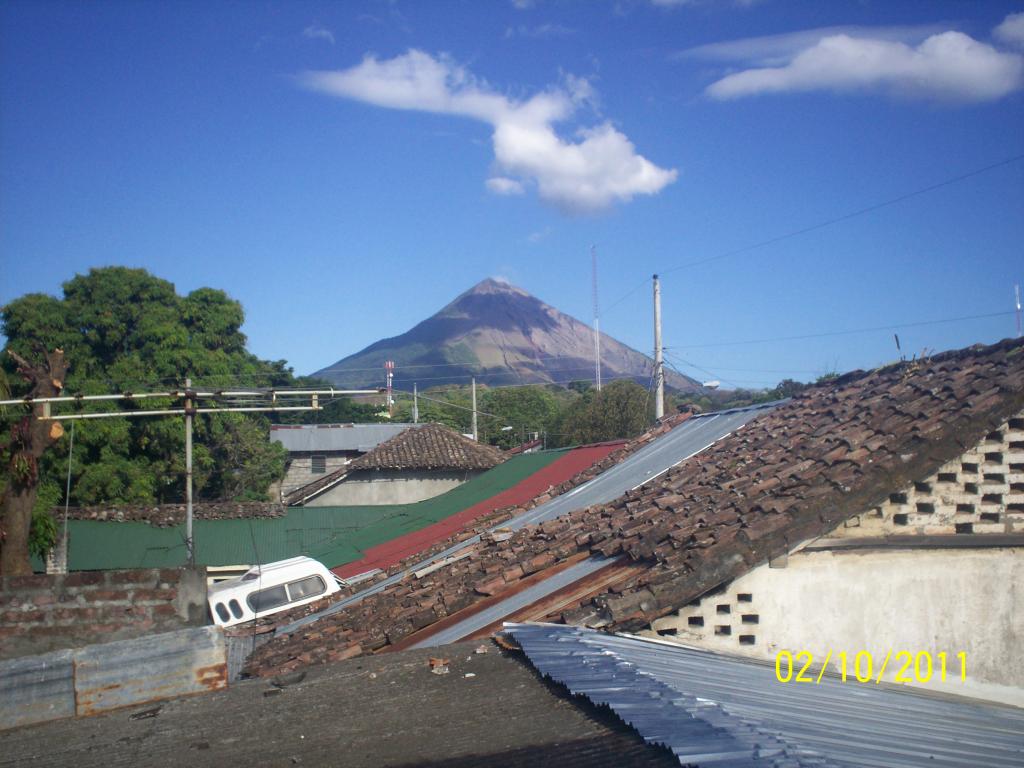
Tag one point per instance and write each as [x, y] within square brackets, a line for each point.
[432, 446]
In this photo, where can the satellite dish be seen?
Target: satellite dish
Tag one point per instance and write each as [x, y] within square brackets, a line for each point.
[712, 384]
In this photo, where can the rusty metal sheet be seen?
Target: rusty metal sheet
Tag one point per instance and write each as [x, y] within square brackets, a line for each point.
[131, 672]
[34, 689]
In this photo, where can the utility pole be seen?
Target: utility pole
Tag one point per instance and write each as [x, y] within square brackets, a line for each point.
[659, 363]
[597, 319]
[474, 409]
[189, 414]
[415, 405]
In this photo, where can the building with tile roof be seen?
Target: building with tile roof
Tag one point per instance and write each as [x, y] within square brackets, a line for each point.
[316, 452]
[415, 464]
[901, 489]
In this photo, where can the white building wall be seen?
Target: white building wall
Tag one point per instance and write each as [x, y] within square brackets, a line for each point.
[373, 488]
[885, 599]
[876, 601]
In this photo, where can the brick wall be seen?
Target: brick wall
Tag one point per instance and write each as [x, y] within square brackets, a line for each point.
[42, 613]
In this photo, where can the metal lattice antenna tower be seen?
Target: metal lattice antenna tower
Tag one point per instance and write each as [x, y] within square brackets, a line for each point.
[1016, 296]
[597, 319]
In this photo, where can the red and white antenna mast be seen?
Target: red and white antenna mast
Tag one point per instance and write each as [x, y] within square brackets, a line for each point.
[389, 367]
[597, 319]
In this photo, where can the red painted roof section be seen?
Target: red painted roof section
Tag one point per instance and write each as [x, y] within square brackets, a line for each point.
[558, 471]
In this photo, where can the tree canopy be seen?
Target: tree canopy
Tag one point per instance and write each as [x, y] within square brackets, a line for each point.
[622, 409]
[124, 330]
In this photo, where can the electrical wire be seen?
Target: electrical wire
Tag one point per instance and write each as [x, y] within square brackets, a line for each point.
[692, 365]
[849, 332]
[851, 215]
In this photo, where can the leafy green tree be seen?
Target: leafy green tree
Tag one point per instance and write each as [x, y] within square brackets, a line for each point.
[125, 330]
[524, 409]
[622, 409]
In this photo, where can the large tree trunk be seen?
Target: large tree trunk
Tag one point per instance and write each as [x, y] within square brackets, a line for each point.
[29, 441]
[14, 558]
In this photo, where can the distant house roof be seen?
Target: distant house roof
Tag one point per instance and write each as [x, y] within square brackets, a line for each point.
[792, 473]
[710, 709]
[314, 438]
[432, 446]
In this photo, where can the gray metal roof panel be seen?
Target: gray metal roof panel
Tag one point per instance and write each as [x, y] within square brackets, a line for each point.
[686, 440]
[528, 596]
[662, 689]
[310, 438]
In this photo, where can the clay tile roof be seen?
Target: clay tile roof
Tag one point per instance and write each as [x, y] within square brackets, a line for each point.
[432, 446]
[791, 474]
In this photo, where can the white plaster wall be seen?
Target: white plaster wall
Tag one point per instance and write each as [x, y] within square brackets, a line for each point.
[878, 600]
[370, 489]
[300, 470]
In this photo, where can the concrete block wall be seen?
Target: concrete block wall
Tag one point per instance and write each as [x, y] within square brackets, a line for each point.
[982, 491]
[44, 612]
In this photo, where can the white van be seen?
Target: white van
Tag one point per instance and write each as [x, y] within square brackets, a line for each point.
[270, 588]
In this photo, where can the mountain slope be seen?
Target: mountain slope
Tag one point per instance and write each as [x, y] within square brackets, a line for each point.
[501, 335]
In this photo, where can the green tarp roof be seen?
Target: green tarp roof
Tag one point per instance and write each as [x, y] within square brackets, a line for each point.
[333, 535]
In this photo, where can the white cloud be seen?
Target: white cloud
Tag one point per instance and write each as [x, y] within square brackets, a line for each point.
[316, 32]
[776, 50]
[502, 185]
[523, 5]
[596, 169]
[949, 66]
[1011, 31]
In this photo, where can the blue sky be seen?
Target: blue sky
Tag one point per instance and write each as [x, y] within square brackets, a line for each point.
[346, 169]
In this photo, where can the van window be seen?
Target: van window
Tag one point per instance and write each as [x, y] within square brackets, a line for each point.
[223, 612]
[308, 587]
[236, 609]
[265, 599]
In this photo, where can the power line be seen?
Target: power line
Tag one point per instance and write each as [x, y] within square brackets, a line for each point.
[703, 370]
[852, 214]
[844, 333]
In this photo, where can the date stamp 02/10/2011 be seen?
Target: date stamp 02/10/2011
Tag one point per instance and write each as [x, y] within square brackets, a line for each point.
[908, 667]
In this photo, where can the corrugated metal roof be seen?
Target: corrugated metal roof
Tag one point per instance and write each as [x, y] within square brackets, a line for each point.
[570, 463]
[717, 710]
[687, 439]
[332, 535]
[335, 437]
[481, 619]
